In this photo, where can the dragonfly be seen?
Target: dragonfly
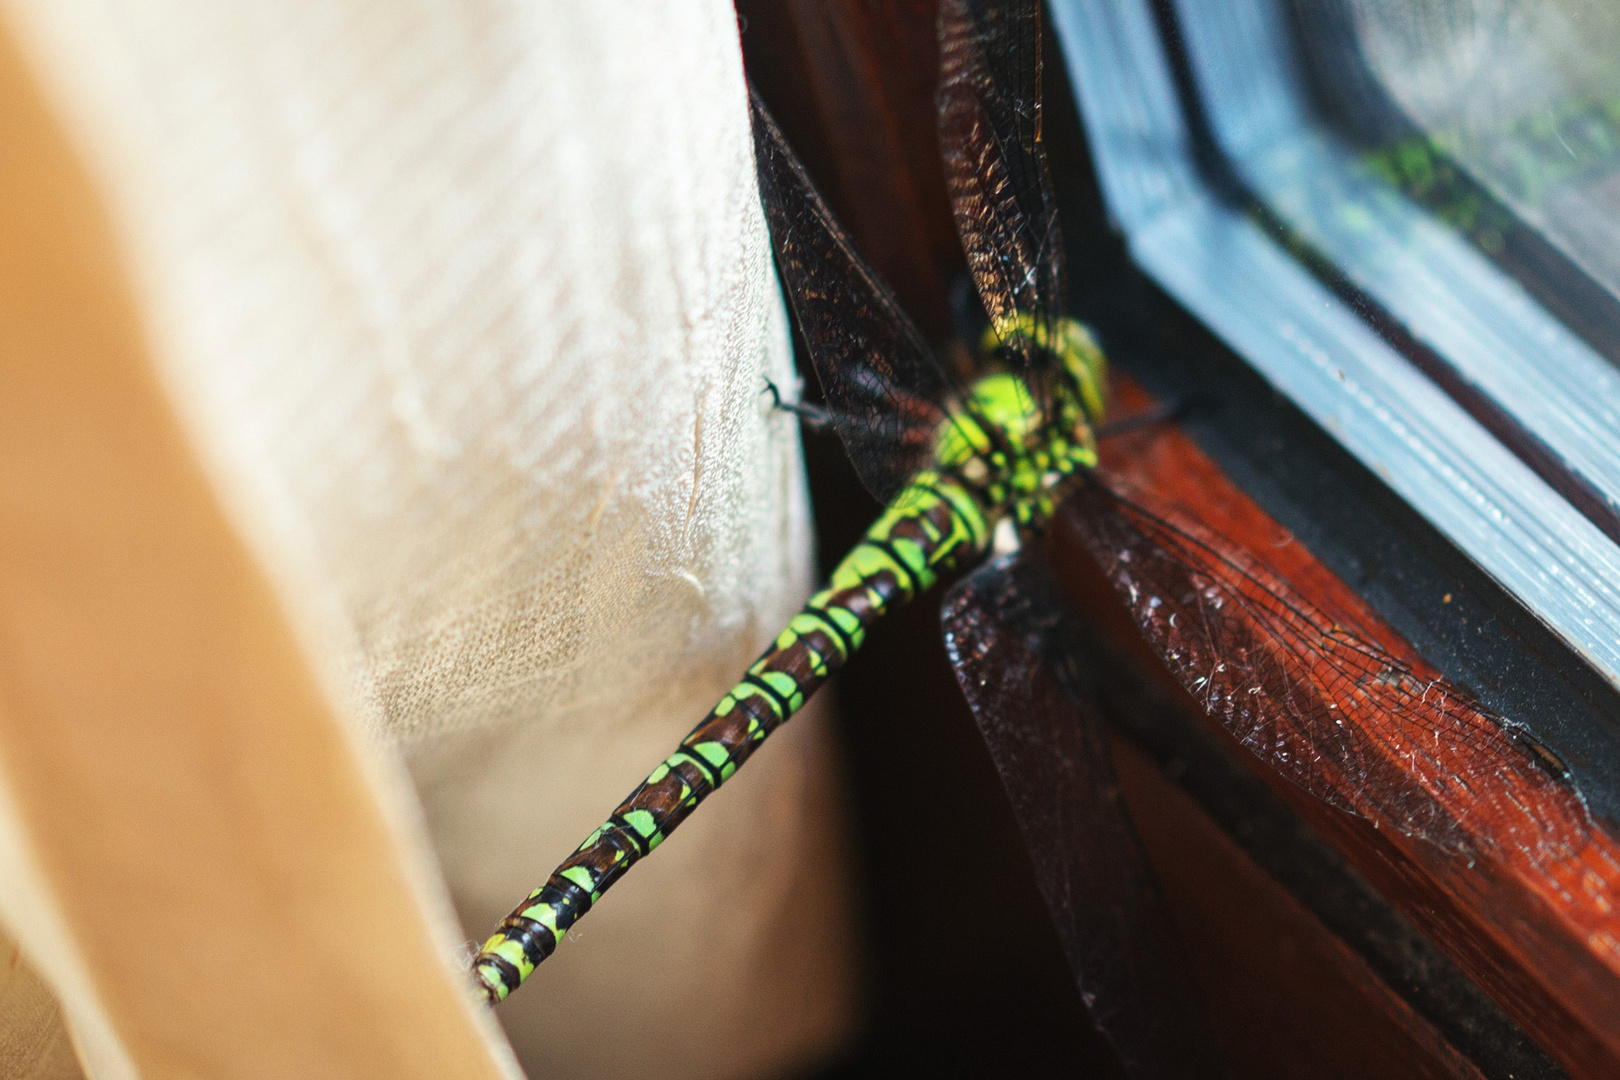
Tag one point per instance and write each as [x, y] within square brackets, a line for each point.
[957, 463]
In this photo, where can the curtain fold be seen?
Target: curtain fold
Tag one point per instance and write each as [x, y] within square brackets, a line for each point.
[461, 311]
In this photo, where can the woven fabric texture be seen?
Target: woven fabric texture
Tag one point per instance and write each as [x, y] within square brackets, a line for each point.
[468, 305]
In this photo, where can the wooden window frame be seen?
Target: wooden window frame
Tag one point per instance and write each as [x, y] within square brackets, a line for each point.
[1523, 956]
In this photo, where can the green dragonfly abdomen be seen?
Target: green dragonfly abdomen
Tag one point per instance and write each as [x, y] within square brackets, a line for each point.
[936, 523]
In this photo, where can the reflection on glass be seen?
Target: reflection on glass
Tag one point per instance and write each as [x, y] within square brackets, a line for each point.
[1523, 95]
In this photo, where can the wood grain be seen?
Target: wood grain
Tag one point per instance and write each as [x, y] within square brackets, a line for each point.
[869, 67]
[1529, 915]
[1291, 1001]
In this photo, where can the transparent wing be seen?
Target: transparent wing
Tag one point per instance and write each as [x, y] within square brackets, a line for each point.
[989, 105]
[1008, 639]
[886, 390]
[1316, 699]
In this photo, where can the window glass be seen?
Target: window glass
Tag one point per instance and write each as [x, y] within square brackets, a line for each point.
[1522, 95]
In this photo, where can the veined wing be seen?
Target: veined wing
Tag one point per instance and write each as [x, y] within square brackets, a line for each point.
[885, 388]
[989, 105]
[1012, 648]
[1316, 699]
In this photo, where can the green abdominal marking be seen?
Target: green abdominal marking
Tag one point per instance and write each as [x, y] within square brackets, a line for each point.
[953, 461]
[936, 524]
[996, 454]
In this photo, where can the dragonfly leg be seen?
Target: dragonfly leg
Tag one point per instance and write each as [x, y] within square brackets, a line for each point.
[1169, 409]
[815, 417]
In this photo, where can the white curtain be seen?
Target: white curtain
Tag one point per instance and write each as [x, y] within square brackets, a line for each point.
[468, 308]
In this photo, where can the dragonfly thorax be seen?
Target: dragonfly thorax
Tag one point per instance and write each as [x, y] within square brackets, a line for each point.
[1012, 450]
[1070, 354]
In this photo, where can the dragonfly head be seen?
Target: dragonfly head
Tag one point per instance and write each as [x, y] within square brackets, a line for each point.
[1084, 365]
[1021, 431]
[1072, 357]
